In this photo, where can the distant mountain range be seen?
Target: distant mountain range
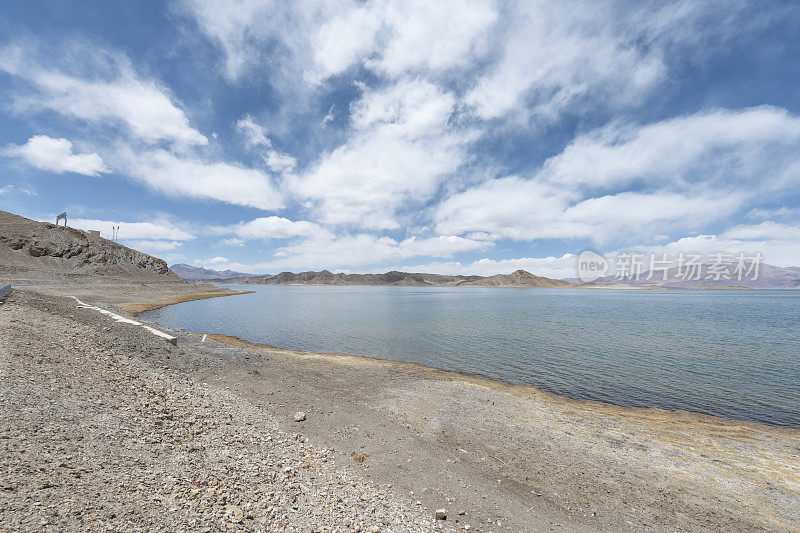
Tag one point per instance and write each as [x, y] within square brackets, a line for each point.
[520, 278]
[769, 277]
[192, 273]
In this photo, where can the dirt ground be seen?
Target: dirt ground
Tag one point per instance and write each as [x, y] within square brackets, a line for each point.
[104, 425]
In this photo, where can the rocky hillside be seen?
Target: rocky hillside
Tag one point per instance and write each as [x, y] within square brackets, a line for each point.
[520, 278]
[43, 252]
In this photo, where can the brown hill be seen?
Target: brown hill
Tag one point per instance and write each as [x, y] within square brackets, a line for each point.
[33, 251]
[520, 278]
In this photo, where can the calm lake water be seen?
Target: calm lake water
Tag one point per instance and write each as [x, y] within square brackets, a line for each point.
[732, 353]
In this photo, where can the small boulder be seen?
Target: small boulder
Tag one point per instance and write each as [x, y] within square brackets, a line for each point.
[441, 514]
[299, 416]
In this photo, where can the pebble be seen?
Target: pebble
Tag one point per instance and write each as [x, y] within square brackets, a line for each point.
[168, 443]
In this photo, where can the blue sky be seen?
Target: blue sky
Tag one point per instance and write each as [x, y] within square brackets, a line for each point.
[454, 137]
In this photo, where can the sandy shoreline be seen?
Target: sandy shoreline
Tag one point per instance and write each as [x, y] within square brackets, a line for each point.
[512, 454]
[135, 308]
[489, 383]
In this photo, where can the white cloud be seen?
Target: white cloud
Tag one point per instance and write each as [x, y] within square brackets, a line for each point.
[529, 210]
[441, 246]
[410, 108]
[367, 249]
[12, 189]
[526, 210]
[400, 149]
[55, 155]
[151, 231]
[551, 54]
[272, 228]
[232, 242]
[561, 267]
[784, 211]
[633, 214]
[150, 246]
[777, 243]
[765, 231]
[677, 174]
[279, 162]
[108, 91]
[396, 38]
[212, 261]
[248, 30]
[323, 39]
[179, 175]
[254, 133]
[511, 58]
[256, 137]
[755, 144]
[548, 58]
[330, 115]
[330, 251]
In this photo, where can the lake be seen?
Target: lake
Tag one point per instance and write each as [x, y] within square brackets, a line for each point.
[730, 353]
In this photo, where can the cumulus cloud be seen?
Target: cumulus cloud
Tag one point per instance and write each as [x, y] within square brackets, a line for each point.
[532, 211]
[765, 231]
[326, 38]
[185, 175]
[56, 155]
[551, 54]
[550, 58]
[271, 228]
[519, 57]
[725, 145]
[396, 38]
[105, 91]
[677, 174]
[401, 148]
[776, 242]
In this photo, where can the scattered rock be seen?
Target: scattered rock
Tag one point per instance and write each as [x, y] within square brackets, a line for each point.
[441, 514]
[299, 416]
[155, 450]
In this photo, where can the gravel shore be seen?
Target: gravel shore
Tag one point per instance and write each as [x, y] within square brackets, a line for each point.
[104, 426]
[97, 435]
